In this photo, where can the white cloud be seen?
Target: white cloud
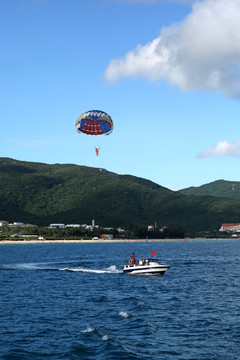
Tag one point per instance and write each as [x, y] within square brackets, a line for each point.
[200, 53]
[222, 148]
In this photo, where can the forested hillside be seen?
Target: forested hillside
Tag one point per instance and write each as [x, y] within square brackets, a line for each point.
[41, 194]
[219, 188]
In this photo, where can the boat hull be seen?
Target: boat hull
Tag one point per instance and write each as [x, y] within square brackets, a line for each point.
[158, 269]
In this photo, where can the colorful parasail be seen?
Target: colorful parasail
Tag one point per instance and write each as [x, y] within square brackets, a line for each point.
[94, 122]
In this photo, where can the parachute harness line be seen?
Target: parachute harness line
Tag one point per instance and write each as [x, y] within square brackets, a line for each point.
[94, 122]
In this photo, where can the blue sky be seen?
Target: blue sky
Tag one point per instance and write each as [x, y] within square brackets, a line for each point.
[167, 71]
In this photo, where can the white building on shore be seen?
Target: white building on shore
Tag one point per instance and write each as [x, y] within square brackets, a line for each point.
[230, 227]
[59, 226]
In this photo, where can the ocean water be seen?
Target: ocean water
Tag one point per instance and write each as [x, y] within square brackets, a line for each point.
[72, 301]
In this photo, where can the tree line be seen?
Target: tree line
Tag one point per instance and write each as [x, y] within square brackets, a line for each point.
[130, 232]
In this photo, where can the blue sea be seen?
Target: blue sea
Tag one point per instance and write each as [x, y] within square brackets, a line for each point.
[72, 301]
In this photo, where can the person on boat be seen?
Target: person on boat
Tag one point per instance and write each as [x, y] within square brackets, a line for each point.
[133, 258]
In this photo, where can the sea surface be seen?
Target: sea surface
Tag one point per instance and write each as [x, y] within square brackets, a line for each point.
[72, 301]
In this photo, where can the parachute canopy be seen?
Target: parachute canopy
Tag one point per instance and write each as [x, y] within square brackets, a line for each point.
[94, 122]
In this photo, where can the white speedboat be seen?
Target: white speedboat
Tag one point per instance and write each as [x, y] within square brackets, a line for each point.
[145, 267]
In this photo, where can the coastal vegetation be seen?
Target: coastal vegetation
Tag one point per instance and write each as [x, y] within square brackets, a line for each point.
[40, 194]
[24, 232]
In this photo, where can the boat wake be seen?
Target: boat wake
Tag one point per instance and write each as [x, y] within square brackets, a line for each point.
[110, 270]
[59, 266]
[28, 266]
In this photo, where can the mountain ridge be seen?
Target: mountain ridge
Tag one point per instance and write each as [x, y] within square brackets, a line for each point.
[42, 193]
[219, 188]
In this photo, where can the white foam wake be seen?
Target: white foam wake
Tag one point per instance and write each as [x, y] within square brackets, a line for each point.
[124, 314]
[111, 269]
[88, 329]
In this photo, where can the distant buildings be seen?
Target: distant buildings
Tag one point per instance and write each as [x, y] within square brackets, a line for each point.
[58, 226]
[6, 223]
[75, 226]
[150, 227]
[84, 226]
[230, 227]
[153, 227]
[61, 226]
[16, 223]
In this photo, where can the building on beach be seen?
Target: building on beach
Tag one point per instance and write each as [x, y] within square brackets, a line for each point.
[230, 227]
[59, 226]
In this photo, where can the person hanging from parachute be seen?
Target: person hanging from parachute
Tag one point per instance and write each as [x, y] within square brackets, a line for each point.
[94, 122]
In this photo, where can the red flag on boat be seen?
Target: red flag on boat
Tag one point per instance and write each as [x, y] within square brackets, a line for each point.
[153, 253]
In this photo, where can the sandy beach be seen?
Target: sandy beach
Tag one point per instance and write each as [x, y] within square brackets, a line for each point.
[106, 241]
[78, 241]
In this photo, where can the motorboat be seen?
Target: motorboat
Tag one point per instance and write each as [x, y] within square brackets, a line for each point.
[145, 267]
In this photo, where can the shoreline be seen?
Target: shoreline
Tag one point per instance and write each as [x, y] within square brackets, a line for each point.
[65, 241]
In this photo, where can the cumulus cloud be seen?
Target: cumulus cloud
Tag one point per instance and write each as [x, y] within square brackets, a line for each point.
[222, 148]
[200, 53]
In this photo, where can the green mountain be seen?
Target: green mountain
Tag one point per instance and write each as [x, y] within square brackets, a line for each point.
[41, 194]
[219, 188]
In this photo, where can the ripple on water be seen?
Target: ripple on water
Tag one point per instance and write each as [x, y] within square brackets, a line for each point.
[91, 310]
